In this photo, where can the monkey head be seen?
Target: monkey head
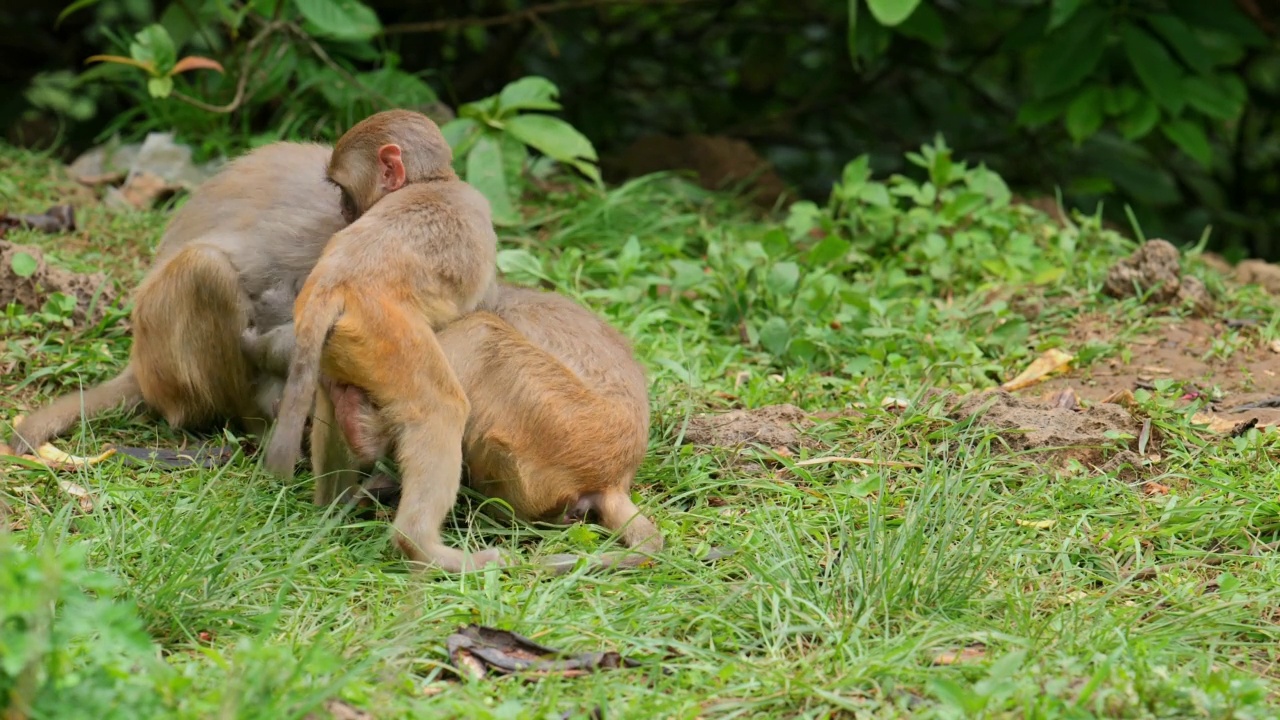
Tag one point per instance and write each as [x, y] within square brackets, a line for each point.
[383, 153]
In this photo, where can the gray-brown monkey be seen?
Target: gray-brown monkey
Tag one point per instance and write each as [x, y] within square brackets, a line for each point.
[419, 254]
[260, 223]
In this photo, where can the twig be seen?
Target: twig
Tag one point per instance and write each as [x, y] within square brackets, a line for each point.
[856, 461]
[245, 69]
[320, 53]
[1212, 561]
[530, 14]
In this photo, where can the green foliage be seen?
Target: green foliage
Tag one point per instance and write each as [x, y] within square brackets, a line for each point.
[489, 139]
[66, 648]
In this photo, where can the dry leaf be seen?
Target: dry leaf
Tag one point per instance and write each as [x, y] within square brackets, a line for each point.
[1051, 361]
[1122, 397]
[1225, 426]
[1151, 487]
[79, 493]
[1037, 524]
[895, 403]
[1275, 346]
[856, 461]
[963, 655]
[475, 650]
[1065, 399]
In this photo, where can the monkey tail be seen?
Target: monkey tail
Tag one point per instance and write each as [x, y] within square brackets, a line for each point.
[321, 313]
[52, 420]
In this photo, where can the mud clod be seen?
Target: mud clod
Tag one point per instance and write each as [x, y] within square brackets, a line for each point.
[33, 291]
[772, 425]
[1062, 434]
[1156, 269]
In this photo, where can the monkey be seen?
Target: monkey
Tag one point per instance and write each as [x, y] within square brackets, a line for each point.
[558, 423]
[259, 223]
[420, 251]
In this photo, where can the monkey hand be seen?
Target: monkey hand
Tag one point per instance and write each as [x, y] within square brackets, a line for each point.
[269, 351]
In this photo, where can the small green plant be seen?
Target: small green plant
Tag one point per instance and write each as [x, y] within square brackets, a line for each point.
[66, 648]
[490, 136]
[152, 51]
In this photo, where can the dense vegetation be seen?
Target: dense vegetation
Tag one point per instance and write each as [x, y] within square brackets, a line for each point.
[1111, 551]
[1167, 106]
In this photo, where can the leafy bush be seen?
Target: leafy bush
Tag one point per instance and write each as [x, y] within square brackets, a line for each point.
[66, 648]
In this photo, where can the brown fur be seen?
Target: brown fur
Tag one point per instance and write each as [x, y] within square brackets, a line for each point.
[419, 255]
[259, 222]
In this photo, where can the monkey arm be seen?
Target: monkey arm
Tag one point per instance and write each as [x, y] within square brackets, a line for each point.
[271, 351]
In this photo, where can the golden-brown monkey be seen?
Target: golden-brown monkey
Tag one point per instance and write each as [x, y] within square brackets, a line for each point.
[259, 223]
[419, 253]
[559, 419]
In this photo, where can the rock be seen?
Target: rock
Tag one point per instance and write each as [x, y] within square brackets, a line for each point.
[1257, 272]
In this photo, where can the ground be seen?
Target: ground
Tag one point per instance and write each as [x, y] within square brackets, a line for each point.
[910, 539]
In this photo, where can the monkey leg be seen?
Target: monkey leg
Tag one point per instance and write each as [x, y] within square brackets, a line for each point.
[187, 320]
[55, 418]
[542, 440]
[394, 354]
[333, 465]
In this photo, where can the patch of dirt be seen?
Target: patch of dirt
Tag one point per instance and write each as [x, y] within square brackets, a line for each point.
[32, 292]
[773, 425]
[1155, 269]
[1062, 433]
[718, 161]
[1177, 351]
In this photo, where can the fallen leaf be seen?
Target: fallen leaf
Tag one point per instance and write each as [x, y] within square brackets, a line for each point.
[53, 456]
[1151, 487]
[206, 456]
[963, 655]
[1051, 361]
[1122, 397]
[895, 403]
[79, 493]
[1037, 524]
[1065, 399]
[476, 650]
[141, 190]
[1275, 346]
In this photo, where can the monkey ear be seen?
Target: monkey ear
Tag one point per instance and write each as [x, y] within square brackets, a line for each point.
[391, 166]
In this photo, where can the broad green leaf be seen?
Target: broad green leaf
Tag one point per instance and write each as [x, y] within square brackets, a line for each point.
[153, 45]
[1154, 67]
[1084, 116]
[1070, 53]
[529, 93]
[398, 87]
[24, 265]
[1036, 113]
[460, 133]
[1190, 138]
[515, 262]
[1140, 120]
[589, 169]
[1120, 100]
[1220, 16]
[160, 87]
[1212, 96]
[485, 172]
[925, 24]
[1061, 11]
[891, 12]
[514, 156]
[851, 33]
[1178, 34]
[783, 278]
[832, 248]
[687, 274]
[802, 216]
[775, 334]
[342, 19]
[551, 136]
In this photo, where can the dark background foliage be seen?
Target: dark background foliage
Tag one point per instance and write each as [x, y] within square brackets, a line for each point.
[1165, 109]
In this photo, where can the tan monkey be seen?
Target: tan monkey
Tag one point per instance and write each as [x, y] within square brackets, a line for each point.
[559, 419]
[419, 253]
[259, 223]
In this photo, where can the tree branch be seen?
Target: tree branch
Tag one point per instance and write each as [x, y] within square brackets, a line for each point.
[530, 14]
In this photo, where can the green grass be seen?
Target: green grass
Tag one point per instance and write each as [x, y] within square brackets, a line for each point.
[227, 594]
